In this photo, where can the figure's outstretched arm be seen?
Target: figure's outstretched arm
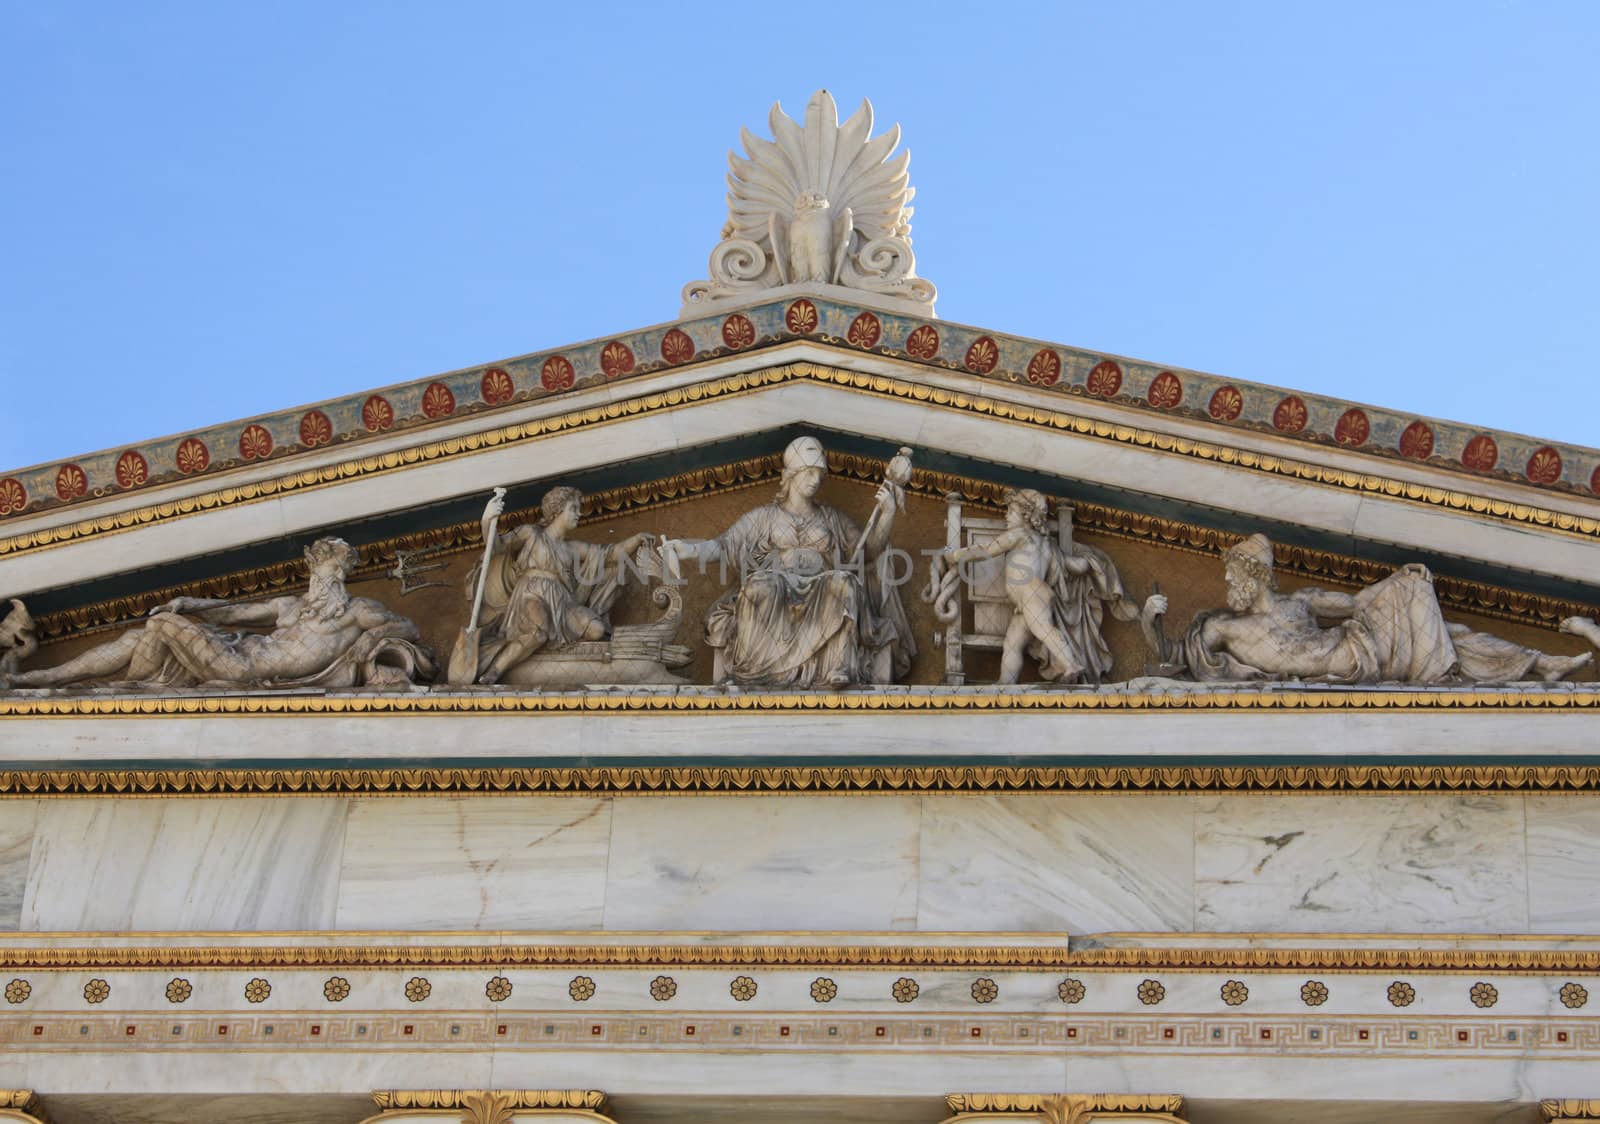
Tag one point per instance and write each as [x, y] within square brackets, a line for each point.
[994, 547]
[225, 612]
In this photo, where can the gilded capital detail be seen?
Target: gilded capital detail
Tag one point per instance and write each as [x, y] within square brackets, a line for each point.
[1069, 1108]
[490, 1106]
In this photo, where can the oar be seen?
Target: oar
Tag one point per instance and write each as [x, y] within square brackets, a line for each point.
[464, 657]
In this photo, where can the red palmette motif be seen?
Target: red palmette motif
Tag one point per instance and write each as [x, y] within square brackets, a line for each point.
[983, 356]
[865, 331]
[192, 456]
[71, 482]
[255, 443]
[376, 413]
[1289, 415]
[1104, 380]
[438, 401]
[132, 469]
[496, 386]
[677, 347]
[801, 318]
[615, 359]
[737, 331]
[556, 373]
[1226, 404]
[1594, 481]
[1352, 428]
[1481, 453]
[315, 429]
[1544, 467]
[923, 343]
[1165, 391]
[1417, 441]
[13, 496]
[1044, 369]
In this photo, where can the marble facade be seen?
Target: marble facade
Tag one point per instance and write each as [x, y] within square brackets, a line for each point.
[836, 891]
[1084, 864]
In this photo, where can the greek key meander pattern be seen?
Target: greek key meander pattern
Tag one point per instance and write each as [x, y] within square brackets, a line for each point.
[467, 537]
[734, 385]
[1553, 1038]
[988, 357]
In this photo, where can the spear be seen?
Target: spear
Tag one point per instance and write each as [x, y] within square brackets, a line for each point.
[464, 656]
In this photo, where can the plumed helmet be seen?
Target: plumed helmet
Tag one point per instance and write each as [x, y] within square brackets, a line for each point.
[804, 452]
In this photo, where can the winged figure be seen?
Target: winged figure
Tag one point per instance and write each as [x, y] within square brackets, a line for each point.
[821, 202]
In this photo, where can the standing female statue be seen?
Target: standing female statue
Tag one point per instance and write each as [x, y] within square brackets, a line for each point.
[813, 607]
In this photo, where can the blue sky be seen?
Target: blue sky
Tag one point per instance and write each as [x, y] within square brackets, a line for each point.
[214, 210]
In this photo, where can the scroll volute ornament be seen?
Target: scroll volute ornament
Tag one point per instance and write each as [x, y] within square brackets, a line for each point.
[490, 1106]
[1065, 1108]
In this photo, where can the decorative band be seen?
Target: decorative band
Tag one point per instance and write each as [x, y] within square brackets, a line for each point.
[691, 780]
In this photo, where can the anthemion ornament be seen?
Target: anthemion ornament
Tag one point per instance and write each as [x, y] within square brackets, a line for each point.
[821, 204]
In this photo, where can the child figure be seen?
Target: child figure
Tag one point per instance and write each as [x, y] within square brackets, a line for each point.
[1033, 567]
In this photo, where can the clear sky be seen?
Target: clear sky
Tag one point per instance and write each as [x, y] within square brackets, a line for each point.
[213, 210]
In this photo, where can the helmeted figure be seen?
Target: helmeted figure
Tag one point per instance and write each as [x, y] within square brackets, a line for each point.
[813, 608]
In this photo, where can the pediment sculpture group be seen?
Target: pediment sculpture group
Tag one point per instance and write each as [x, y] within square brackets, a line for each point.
[817, 604]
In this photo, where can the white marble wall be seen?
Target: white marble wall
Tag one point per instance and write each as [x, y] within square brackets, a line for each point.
[1032, 863]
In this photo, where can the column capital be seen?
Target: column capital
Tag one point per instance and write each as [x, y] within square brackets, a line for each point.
[1065, 1108]
[490, 1106]
[21, 1105]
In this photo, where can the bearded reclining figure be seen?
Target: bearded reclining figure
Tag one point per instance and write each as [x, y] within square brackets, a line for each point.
[322, 638]
[1391, 631]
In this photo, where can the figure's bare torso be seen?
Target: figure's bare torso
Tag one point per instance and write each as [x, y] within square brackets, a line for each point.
[305, 641]
[1284, 639]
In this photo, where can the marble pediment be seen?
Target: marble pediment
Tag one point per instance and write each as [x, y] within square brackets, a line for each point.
[673, 429]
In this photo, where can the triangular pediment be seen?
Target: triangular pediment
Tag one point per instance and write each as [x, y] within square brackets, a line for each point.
[675, 449]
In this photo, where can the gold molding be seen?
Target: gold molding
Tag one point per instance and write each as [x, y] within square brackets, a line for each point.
[1065, 1108]
[864, 780]
[465, 537]
[934, 958]
[1518, 514]
[1570, 1109]
[926, 699]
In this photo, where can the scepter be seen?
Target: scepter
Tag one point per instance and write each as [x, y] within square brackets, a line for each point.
[464, 656]
[896, 476]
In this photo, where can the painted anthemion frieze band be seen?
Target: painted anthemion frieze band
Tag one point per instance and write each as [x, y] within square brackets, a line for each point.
[476, 749]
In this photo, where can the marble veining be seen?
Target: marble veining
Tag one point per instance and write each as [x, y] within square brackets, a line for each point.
[1361, 864]
[1563, 881]
[1057, 863]
[16, 846]
[184, 864]
[488, 862]
[763, 862]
